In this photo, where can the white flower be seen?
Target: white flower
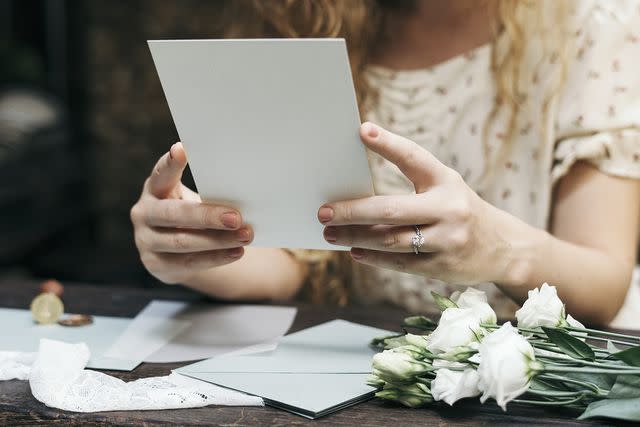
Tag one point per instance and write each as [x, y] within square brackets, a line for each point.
[413, 395]
[573, 322]
[461, 326]
[506, 365]
[473, 298]
[419, 341]
[542, 308]
[452, 386]
[398, 364]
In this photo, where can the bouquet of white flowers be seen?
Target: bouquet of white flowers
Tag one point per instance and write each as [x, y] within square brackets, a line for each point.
[550, 359]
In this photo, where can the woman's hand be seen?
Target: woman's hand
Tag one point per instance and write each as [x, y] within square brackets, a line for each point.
[176, 234]
[463, 241]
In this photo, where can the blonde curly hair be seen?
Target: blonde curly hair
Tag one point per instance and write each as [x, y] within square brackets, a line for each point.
[517, 24]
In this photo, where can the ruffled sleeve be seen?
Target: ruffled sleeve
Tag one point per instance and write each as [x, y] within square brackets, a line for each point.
[598, 118]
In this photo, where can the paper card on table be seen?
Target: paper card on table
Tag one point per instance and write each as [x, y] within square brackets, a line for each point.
[20, 333]
[153, 326]
[270, 127]
[312, 372]
[333, 347]
[215, 329]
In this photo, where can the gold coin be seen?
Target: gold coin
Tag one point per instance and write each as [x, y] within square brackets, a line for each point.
[76, 320]
[46, 308]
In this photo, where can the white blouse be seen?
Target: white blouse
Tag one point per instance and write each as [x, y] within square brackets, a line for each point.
[595, 118]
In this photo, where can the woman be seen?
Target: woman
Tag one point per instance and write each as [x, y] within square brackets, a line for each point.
[508, 131]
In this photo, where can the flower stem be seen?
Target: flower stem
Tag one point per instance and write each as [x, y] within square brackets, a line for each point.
[588, 370]
[586, 362]
[549, 403]
[593, 387]
[606, 334]
[553, 393]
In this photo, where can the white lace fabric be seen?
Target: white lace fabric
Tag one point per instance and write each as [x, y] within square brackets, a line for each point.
[58, 378]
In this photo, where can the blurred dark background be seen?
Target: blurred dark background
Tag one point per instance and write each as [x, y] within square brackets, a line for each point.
[82, 121]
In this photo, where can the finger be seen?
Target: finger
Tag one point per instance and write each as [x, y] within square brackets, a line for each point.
[378, 237]
[187, 241]
[189, 195]
[392, 210]
[167, 172]
[407, 263]
[178, 264]
[415, 162]
[186, 214]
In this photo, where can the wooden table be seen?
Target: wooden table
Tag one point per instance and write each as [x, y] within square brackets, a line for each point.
[18, 407]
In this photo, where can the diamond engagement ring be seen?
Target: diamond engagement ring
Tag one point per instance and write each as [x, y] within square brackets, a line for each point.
[418, 240]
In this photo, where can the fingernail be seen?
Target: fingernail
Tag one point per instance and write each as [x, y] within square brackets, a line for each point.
[170, 153]
[357, 253]
[244, 236]
[235, 252]
[229, 220]
[325, 214]
[372, 130]
[330, 234]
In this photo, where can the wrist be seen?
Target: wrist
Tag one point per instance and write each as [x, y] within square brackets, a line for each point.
[525, 247]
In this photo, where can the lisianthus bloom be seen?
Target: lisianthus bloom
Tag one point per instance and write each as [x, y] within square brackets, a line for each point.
[543, 307]
[507, 363]
[451, 386]
[459, 326]
[399, 364]
[413, 395]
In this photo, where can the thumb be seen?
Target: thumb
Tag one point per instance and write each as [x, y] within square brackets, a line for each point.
[167, 173]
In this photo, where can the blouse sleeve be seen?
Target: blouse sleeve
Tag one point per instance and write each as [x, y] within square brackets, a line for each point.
[598, 118]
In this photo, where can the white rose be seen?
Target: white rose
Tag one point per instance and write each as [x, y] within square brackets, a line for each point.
[506, 365]
[473, 298]
[452, 386]
[542, 308]
[460, 327]
[573, 322]
[398, 364]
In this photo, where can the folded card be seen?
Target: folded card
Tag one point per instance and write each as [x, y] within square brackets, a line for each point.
[21, 333]
[312, 372]
[270, 127]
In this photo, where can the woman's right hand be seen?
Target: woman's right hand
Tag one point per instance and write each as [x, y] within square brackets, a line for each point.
[176, 234]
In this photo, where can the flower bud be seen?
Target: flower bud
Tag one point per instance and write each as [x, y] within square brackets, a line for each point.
[398, 364]
[413, 396]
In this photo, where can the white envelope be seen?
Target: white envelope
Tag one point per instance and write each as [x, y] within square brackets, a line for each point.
[312, 373]
[270, 127]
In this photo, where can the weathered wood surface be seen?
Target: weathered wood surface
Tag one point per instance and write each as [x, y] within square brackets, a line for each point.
[18, 407]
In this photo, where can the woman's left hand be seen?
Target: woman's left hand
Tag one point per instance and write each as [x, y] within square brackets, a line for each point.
[464, 239]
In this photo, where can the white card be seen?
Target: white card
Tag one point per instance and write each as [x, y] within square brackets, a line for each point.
[270, 127]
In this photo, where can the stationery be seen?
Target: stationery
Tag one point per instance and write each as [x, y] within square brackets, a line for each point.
[20, 333]
[270, 126]
[210, 329]
[312, 373]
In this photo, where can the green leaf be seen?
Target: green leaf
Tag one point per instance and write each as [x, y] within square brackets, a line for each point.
[571, 346]
[621, 409]
[419, 322]
[443, 302]
[604, 381]
[630, 356]
[626, 387]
